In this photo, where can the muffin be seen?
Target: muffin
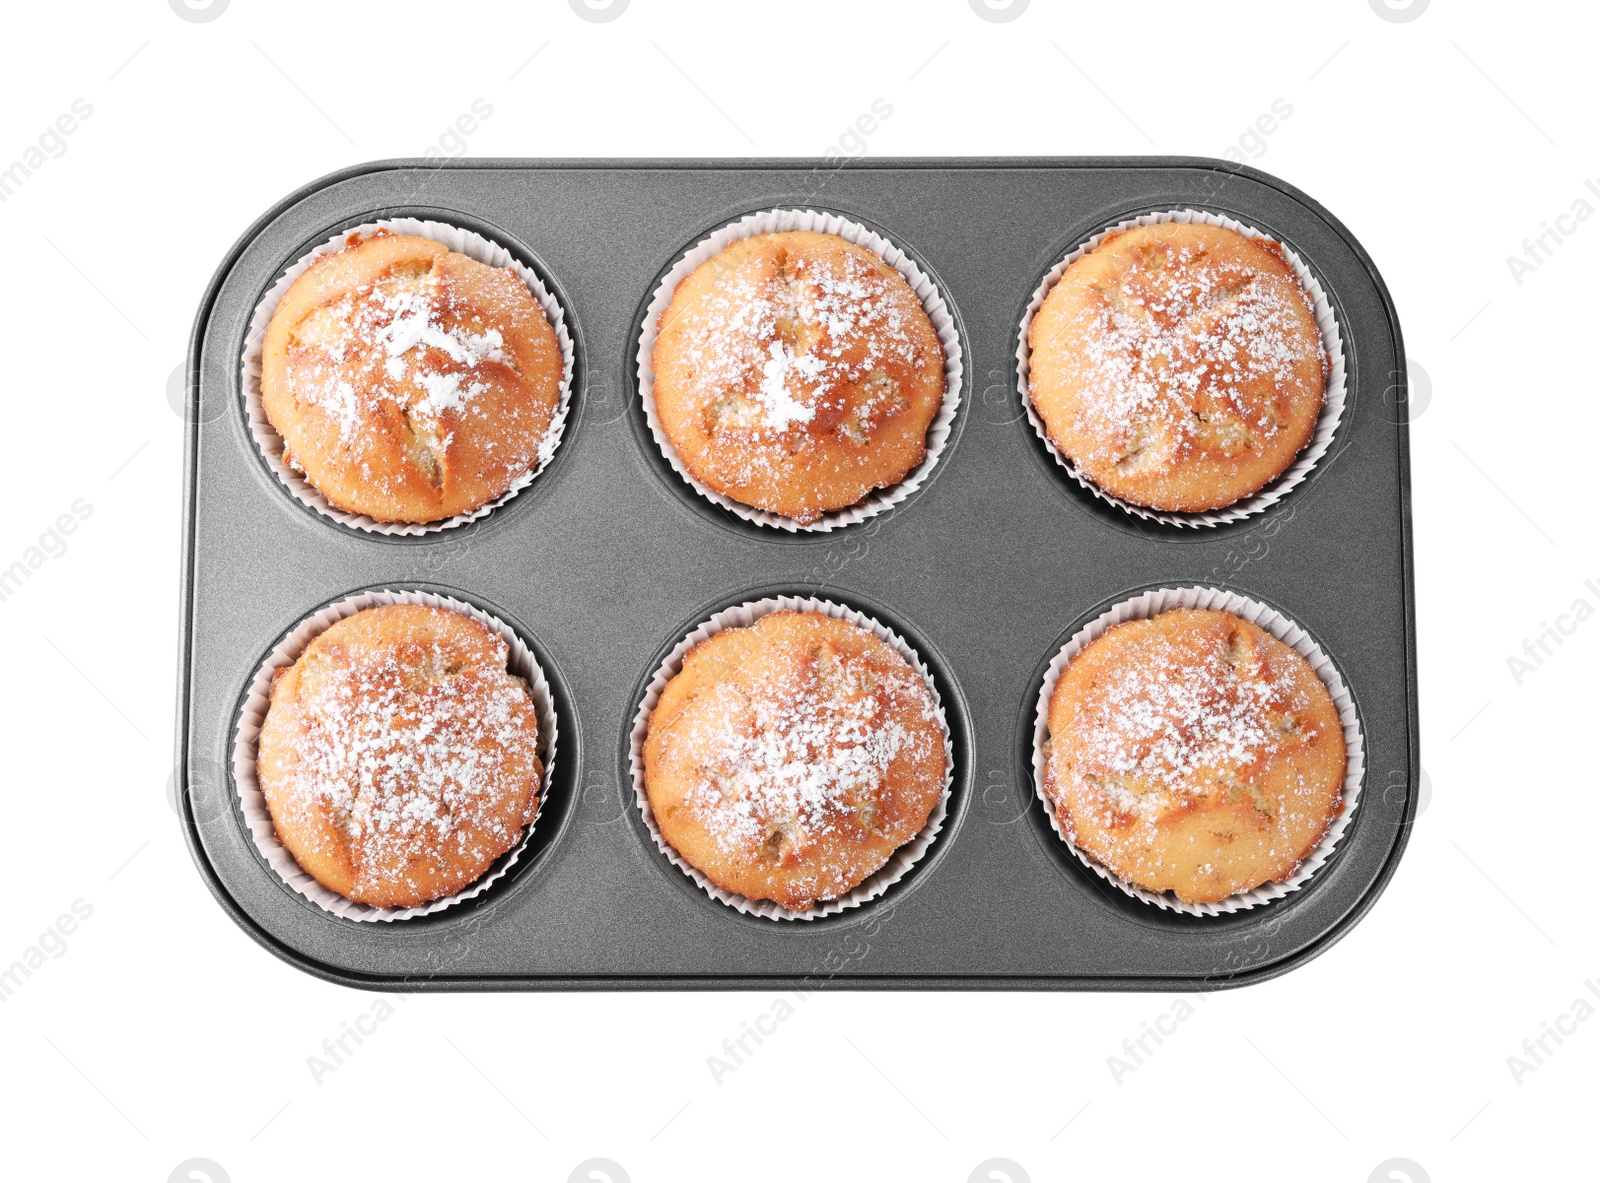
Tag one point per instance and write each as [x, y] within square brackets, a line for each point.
[399, 759]
[1194, 753]
[788, 760]
[410, 383]
[796, 372]
[1179, 366]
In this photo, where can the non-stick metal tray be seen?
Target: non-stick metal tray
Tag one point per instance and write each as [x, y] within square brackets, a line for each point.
[609, 558]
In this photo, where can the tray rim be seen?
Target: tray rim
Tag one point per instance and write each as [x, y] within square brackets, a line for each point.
[442, 983]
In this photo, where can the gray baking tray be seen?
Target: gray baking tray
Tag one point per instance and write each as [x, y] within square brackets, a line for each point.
[609, 558]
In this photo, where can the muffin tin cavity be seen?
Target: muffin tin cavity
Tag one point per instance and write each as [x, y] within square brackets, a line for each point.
[935, 302]
[484, 249]
[741, 615]
[251, 803]
[985, 568]
[1153, 603]
[1298, 471]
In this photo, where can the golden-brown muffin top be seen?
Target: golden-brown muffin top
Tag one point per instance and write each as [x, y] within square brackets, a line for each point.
[1194, 752]
[1180, 365]
[409, 382]
[789, 759]
[796, 372]
[399, 758]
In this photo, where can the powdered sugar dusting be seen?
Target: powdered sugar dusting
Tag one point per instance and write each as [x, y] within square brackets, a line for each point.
[788, 360]
[1292, 785]
[400, 341]
[292, 475]
[1171, 722]
[879, 496]
[802, 759]
[774, 759]
[781, 367]
[913, 846]
[1192, 351]
[414, 754]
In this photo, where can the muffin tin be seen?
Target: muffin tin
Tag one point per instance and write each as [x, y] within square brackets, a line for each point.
[609, 558]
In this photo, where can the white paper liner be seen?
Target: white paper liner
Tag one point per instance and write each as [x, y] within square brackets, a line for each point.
[933, 303]
[253, 802]
[1153, 603]
[742, 616]
[464, 242]
[1333, 399]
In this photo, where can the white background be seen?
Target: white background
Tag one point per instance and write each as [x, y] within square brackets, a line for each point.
[163, 1033]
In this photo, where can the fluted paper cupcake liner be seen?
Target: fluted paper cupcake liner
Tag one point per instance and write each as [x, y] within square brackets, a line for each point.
[742, 616]
[253, 802]
[1333, 398]
[933, 303]
[1153, 603]
[465, 242]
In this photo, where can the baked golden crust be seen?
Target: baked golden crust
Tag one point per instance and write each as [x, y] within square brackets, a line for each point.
[398, 758]
[1194, 753]
[1179, 365]
[787, 761]
[409, 383]
[796, 372]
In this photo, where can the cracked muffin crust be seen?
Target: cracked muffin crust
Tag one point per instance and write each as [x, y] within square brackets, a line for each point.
[1194, 753]
[399, 759]
[410, 383]
[1179, 365]
[789, 760]
[796, 372]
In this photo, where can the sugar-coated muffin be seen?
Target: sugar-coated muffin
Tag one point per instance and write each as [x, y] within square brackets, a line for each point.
[787, 761]
[1179, 365]
[796, 372]
[410, 383]
[1194, 753]
[399, 758]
